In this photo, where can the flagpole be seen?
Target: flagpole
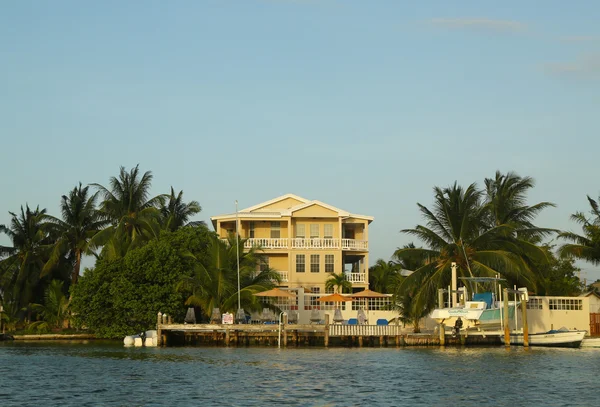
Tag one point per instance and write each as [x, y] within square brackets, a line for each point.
[237, 243]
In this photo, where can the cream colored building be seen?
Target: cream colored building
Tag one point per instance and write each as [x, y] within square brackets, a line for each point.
[304, 240]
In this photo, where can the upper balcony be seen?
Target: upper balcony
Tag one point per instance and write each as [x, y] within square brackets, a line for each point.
[308, 243]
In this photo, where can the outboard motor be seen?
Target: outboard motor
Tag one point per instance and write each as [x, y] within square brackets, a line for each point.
[457, 326]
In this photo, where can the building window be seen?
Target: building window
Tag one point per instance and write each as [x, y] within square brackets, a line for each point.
[314, 231]
[329, 263]
[561, 304]
[264, 263]
[275, 230]
[314, 298]
[300, 231]
[300, 263]
[534, 303]
[328, 231]
[251, 231]
[329, 290]
[314, 263]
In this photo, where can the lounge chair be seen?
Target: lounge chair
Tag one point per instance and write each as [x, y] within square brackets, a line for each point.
[337, 316]
[353, 321]
[362, 318]
[315, 317]
[215, 316]
[382, 322]
[293, 317]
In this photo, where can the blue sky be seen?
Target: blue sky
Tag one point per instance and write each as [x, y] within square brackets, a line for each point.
[363, 105]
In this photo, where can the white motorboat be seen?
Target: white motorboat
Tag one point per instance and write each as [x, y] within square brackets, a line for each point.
[555, 338]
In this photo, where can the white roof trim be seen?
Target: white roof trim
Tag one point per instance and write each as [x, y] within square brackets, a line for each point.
[296, 208]
[247, 215]
[272, 201]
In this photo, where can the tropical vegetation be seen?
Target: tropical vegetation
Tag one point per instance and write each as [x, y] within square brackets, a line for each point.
[150, 255]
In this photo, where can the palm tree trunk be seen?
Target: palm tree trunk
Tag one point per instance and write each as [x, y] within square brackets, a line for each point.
[77, 267]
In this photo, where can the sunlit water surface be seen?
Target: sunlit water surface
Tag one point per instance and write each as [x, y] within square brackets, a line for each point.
[107, 374]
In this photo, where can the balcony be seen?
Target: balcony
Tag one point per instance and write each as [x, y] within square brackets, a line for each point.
[284, 276]
[307, 243]
[266, 243]
[315, 243]
[357, 277]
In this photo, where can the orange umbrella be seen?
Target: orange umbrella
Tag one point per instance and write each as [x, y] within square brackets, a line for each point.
[276, 292]
[368, 294]
[334, 298]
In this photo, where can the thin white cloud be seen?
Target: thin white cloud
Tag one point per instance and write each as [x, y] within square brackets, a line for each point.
[587, 66]
[479, 24]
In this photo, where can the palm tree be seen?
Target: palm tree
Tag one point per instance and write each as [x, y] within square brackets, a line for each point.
[214, 282]
[384, 276]
[175, 213]
[80, 222]
[21, 269]
[130, 210]
[339, 282]
[54, 312]
[457, 230]
[506, 200]
[587, 245]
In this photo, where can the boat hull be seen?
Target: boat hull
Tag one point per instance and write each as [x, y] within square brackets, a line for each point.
[567, 339]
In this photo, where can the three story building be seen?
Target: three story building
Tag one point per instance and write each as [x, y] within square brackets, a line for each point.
[304, 240]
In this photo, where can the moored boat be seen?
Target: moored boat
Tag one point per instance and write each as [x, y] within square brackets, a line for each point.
[563, 338]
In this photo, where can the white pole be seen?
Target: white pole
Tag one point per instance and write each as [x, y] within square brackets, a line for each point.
[454, 296]
[237, 243]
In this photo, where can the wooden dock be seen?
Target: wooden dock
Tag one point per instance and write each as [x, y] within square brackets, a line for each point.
[284, 335]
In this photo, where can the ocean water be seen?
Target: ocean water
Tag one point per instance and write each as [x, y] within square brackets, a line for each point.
[107, 374]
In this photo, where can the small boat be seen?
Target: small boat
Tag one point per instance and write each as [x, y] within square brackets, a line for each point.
[555, 338]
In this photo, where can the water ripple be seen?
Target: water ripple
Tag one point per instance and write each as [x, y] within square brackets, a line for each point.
[107, 374]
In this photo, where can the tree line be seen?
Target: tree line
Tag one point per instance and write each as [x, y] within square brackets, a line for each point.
[487, 232]
[148, 255]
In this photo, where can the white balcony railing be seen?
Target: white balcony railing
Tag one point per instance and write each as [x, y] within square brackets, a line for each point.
[306, 243]
[266, 243]
[353, 244]
[356, 277]
[315, 243]
[284, 276]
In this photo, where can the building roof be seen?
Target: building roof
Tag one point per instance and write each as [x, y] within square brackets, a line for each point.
[590, 293]
[257, 211]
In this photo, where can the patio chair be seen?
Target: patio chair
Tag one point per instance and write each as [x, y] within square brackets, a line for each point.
[353, 321]
[337, 316]
[362, 318]
[215, 316]
[382, 322]
[293, 317]
[315, 316]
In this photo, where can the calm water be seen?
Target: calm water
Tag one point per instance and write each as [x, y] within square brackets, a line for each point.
[107, 374]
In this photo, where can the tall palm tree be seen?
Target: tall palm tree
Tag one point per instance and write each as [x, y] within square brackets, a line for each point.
[21, 268]
[339, 282]
[175, 213]
[80, 222]
[457, 230]
[506, 200]
[214, 282]
[587, 245]
[384, 275]
[130, 209]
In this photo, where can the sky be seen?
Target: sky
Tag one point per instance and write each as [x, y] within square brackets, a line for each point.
[364, 105]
